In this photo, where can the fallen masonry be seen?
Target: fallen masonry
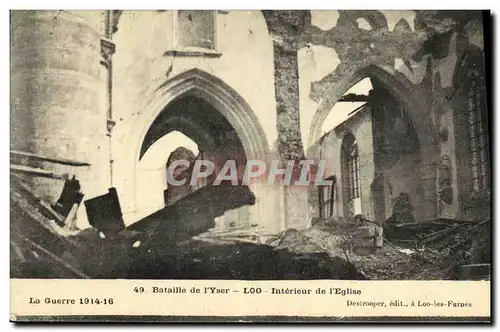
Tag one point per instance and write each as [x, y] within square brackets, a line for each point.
[178, 242]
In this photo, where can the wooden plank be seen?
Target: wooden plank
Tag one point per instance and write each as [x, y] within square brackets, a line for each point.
[352, 97]
[191, 215]
[35, 172]
[104, 212]
[57, 259]
[43, 207]
[34, 156]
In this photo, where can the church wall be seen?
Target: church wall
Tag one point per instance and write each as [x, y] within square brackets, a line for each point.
[360, 126]
[419, 74]
[414, 56]
[142, 62]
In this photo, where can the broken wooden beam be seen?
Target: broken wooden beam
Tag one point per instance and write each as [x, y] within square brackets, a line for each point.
[36, 157]
[41, 205]
[70, 195]
[32, 171]
[357, 109]
[352, 98]
[58, 260]
[193, 214]
[105, 214]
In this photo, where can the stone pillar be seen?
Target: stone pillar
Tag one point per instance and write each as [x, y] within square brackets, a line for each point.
[429, 208]
[107, 51]
[364, 139]
[285, 29]
[55, 99]
[297, 207]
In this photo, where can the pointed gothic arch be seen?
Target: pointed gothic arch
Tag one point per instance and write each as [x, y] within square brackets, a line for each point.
[394, 83]
[225, 99]
[200, 84]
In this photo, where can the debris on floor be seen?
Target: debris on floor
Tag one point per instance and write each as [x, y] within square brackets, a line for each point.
[180, 242]
[388, 262]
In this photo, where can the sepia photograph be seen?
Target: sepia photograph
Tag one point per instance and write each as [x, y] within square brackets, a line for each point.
[250, 145]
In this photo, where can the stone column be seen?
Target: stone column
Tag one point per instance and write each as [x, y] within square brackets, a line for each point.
[55, 108]
[285, 29]
[297, 207]
[429, 208]
[107, 51]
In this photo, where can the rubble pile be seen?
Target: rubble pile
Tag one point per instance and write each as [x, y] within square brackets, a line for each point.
[466, 241]
[39, 245]
[395, 263]
[387, 262]
[179, 241]
[335, 236]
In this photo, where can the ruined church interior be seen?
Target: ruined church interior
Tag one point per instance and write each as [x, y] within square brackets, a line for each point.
[394, 104]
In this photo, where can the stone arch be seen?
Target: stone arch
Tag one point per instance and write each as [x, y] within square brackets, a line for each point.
[200, 84]
[416, 111]
[188, 128]
[225, 99]
[395, 83]
[469, 58]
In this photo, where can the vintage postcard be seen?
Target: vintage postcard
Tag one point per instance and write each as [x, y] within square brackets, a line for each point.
[250, 165]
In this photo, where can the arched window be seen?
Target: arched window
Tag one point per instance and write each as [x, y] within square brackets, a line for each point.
[351, 173]
[477, 125]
